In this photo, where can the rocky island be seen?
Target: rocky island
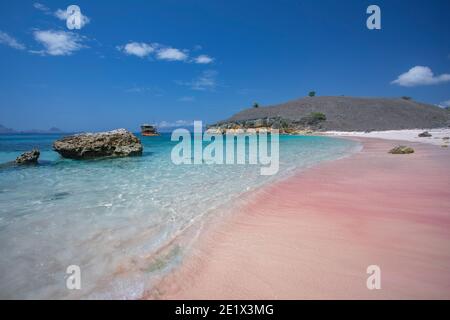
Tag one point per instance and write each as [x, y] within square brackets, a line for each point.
[312, 114]
[116, 143]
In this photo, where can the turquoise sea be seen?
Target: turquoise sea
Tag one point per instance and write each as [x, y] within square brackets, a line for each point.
[109, 216]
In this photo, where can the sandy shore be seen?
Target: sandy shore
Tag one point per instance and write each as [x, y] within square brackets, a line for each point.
[313, 235]
[438, 137]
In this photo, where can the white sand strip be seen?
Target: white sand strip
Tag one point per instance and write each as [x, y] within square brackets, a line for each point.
[412, 135]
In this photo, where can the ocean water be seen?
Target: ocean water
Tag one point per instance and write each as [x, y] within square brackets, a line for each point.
[112, 217]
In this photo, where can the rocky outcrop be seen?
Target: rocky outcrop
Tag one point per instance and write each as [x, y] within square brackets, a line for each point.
[310, 123]
[29, 157]
[401, 150]
[425, 134]
[116, 143]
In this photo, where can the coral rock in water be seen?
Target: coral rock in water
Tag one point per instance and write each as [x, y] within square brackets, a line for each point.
[116, 143]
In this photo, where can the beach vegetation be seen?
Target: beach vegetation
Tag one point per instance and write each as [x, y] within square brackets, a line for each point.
[314, 118]
[312, 94]
[406, 98]
[284, 124]
[256, 105]
[318, 116]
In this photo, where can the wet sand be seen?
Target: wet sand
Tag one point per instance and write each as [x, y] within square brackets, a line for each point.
[313, 235]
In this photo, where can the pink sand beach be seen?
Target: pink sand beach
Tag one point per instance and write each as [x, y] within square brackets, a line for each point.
[313, 235]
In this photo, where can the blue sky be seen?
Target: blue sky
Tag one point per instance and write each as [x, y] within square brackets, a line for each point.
[176, 61]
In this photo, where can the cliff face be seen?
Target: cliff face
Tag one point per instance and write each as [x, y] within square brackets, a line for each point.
[342, 114]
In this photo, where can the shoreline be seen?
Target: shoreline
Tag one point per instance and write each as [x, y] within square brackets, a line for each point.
[189, 236]
[439, 136]
[285, 244]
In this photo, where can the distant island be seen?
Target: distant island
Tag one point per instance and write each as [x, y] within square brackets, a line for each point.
[5, 130]
[340, 113]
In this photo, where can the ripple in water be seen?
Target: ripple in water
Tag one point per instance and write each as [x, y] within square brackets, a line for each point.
[116, 218]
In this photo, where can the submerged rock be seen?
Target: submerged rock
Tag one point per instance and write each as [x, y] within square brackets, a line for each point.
[401, 150]
[116, 143]
[425, 134]
[28, 157]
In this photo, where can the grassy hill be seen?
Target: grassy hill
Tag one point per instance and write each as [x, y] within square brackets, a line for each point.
[345, 114]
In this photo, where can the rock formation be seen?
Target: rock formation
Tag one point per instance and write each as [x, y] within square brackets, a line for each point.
[28, 157]
[116, 143]
[425, 134]
[401, 150]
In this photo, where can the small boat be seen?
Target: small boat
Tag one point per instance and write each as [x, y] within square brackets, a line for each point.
[149, 130]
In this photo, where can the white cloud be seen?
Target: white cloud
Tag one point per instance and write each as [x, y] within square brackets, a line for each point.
[137, 90]
[139, 49]
[156, 91]
[206, 81]
[58, 43]
[171, 54]
[178, 123]
[41, 7]
[203, 59]
[186, 99]
[6, 39]
[162, 52]
[445, 104]
[420, 76]
[62, 15]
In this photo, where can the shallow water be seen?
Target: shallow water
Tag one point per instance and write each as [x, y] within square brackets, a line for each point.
[107, 216]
